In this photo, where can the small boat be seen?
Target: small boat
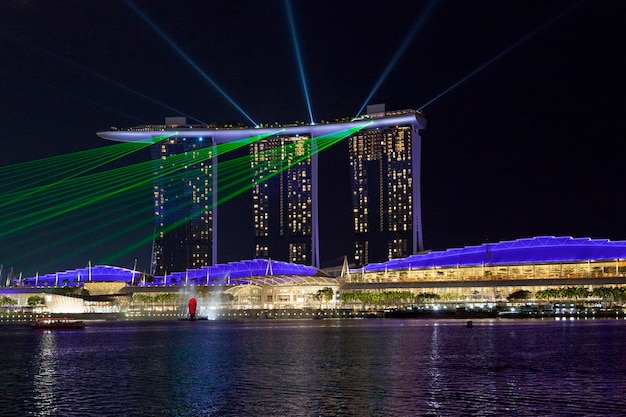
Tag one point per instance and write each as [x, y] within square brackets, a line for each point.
[49, 323]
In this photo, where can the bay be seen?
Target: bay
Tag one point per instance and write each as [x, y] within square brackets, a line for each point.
[376, 367]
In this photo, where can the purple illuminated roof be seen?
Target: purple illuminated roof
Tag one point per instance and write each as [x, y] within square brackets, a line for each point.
[98, 273]
[232, 271]
[217, 274]
[533, 250]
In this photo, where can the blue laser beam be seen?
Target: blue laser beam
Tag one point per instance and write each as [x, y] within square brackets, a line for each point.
[417, 26]
[503, 53]
[186, 57]
[294, 38]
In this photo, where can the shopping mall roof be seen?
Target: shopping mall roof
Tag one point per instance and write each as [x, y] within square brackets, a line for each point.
[244, 272]
[542, 249]
[256, 271]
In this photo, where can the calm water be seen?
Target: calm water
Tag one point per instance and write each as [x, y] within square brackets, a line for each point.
[316, 368]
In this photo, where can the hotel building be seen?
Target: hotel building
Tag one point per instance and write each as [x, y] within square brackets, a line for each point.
[182, 205]
[382, 169]
[282, 202]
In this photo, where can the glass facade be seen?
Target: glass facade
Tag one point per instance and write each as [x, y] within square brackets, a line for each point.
[501, 273]
[182, 189]
[282, 198]
[381, 165]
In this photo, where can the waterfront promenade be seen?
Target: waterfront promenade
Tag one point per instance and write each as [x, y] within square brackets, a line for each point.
[27, 316]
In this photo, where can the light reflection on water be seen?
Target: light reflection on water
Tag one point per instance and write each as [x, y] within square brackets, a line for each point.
[434, 371]
[46, 375]
[316, 368]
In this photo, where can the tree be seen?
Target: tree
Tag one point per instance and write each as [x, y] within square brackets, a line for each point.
[609, 294]
[453, 296]
[581, 292]
[7, 301]
[519, 295]
[601, 292]
[348, 297]
[35, 300]
[143, 298]
[324, 295]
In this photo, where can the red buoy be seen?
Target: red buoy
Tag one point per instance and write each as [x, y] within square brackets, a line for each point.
[192, 308]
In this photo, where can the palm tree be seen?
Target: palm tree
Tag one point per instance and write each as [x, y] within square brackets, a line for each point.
[580, 292]
[547, 294]
[618, 293]
[607, 294]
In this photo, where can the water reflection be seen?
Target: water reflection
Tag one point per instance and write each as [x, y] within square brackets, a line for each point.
[46, 371]
[434, 371]
[317, 368]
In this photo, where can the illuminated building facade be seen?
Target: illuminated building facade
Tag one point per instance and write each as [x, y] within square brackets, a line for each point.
[182, 204]
[282, 203]
[547, 267]
[382, 169]
[383, 164]
[544, 266]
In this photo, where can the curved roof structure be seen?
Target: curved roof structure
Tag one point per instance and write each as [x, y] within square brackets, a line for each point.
[542, 249]
[287, 280]
[224, 135]
[74, 277]
[242, 272]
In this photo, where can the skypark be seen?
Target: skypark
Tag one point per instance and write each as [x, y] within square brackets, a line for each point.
[231, 134]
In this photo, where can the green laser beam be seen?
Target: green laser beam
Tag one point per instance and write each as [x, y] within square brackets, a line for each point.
[115, 189]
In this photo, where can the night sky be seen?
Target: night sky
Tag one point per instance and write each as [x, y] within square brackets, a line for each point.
[531, 143]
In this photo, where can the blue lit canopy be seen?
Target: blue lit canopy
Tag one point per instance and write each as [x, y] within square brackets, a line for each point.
[543, 249]
[533, 250]
[236, 272]
[75, 277]
[241, 272]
